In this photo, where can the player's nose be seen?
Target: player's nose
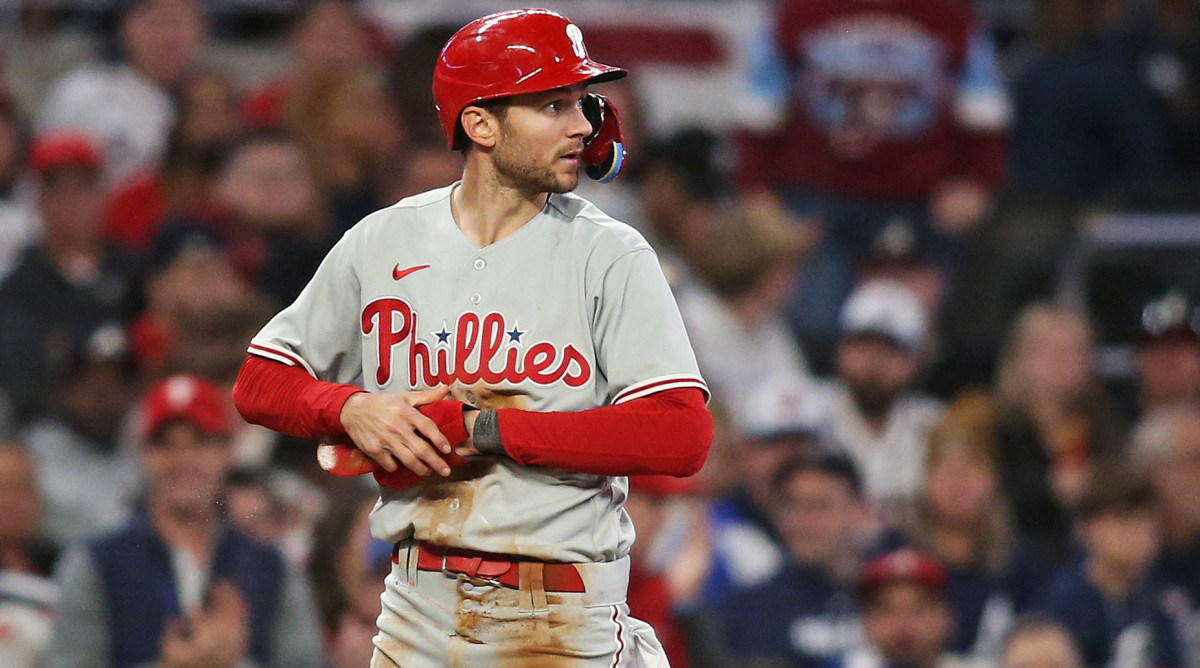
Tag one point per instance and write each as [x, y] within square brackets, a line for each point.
[580, 126]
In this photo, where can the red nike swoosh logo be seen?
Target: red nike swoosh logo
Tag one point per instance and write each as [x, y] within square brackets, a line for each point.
[398, 273]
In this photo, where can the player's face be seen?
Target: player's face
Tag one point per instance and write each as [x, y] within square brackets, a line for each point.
[541, 139]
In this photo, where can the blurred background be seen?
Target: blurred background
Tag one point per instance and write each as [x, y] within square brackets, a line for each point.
[939, 261]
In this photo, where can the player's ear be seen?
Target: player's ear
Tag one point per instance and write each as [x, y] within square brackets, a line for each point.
[480, 126]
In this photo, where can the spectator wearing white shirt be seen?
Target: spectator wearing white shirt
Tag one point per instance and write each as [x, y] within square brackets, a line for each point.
[876, 412]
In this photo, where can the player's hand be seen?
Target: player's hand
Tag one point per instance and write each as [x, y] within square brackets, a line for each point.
[389, 429]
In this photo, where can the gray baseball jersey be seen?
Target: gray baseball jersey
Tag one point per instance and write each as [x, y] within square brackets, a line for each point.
[570, 312]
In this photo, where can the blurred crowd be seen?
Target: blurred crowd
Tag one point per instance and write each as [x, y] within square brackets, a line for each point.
[920, 460]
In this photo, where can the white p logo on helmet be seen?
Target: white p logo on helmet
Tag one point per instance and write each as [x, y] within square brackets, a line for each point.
[576, 36]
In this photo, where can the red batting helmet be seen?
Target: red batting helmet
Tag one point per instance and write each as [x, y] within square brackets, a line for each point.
[511, 53]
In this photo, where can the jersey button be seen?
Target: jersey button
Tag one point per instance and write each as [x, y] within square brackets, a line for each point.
[455, 505]
[476, 298]
[480, 263]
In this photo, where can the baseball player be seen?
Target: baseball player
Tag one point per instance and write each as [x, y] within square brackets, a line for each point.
[504, 354]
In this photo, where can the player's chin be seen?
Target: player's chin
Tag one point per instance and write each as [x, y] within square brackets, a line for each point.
[562, 182]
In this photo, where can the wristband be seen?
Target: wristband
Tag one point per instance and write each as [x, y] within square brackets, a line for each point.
[486, 435]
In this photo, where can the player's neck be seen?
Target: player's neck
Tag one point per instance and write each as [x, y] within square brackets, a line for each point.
[487, 210]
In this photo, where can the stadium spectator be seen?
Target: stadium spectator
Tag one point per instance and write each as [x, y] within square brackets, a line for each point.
[208, 595]
[1086, 124]
[1036, 641]
[127, 105]
[328, 36]
[425, 165]
[877, 413]
[860, 114]
[65, 286]
[1169, 353]
[1107, 602]
[778, 421]
[352, 134]
[410, 78]
[87, 471]
[905, 615]
[1053, 423]
[27, 594]
[189, 276]
[681, 182]
[743, 264]
[897, 254]
[805, 615]
[1166, 444]
[273, 220]
[253, 507]
[1165, 34]
[207, 127]
[962, 521]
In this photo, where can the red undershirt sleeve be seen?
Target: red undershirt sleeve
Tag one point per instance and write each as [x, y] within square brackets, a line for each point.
[288, 400]
[668, 432]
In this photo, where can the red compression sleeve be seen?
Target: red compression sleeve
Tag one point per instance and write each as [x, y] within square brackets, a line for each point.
[668, 432]
[288, 400]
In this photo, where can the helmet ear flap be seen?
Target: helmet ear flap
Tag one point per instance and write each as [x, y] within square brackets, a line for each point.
[604, 149]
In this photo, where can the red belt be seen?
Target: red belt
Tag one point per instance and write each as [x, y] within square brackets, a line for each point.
[556, 577]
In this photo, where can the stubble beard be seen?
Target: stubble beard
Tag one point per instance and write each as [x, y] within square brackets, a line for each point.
[528, 178]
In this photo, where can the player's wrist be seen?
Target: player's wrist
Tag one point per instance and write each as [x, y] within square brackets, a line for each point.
[485, 434]
[469, 414]
[347, 411]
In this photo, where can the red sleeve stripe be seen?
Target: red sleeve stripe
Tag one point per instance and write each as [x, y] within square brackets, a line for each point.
[280, 356]
[648, 387]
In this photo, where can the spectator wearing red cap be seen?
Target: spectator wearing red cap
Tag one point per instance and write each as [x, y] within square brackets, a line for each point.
[127, 105]
[178, 586]
[905, 614]
[67, 285]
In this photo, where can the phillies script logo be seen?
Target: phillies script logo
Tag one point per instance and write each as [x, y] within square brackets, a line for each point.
[394, 323]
